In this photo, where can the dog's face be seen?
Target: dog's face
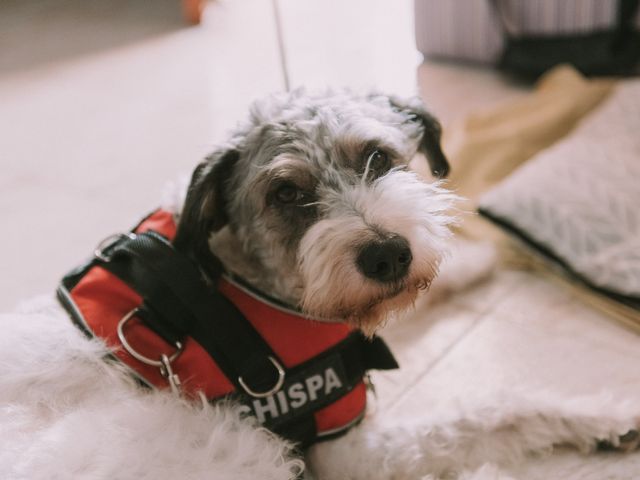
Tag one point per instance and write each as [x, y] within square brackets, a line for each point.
[312, 203]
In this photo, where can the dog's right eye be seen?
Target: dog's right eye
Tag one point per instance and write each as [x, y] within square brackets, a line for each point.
[378, 160]
[377, 163]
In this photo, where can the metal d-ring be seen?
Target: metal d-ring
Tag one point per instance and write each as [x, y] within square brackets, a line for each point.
[138, 356]
[274, 389]
[108, 243]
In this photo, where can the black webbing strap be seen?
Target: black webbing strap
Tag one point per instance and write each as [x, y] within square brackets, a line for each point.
[351, 357]
[178, 302]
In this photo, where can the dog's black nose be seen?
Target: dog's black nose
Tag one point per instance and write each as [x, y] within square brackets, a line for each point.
[385, 261]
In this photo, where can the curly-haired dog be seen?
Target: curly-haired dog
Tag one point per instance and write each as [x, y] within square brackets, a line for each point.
[310, 202]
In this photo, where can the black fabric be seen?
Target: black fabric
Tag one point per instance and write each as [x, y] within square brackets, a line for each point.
[376, 354]
[607, 52]
[302, 431]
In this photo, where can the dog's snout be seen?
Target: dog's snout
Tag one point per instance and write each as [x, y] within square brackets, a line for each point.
[385, 261]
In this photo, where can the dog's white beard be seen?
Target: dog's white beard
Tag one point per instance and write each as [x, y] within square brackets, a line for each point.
[398, 203]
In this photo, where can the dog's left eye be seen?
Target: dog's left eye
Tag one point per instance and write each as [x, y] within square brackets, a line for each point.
[288, 194]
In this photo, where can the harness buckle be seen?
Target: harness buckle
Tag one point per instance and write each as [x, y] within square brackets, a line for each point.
[102, 250]
[164, 364]
[277, 386]
[167, 372]
[370, 386]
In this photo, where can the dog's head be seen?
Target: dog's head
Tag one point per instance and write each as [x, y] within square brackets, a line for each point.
[311, 202]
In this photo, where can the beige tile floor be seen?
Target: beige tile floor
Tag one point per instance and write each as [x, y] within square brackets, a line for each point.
[102, 102]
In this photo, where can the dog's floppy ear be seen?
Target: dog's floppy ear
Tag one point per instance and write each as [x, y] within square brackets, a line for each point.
[205, 208]
[432, 131]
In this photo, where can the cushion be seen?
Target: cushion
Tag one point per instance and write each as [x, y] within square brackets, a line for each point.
[577, 203]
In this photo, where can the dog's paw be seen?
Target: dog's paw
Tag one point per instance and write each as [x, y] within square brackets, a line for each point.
[630, 441]
[626, 443]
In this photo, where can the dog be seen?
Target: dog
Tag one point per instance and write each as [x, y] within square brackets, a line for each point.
[312, 203]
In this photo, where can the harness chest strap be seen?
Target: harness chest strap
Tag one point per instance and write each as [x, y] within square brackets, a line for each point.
[301, 378]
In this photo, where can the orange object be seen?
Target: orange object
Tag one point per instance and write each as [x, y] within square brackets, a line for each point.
[192, 11]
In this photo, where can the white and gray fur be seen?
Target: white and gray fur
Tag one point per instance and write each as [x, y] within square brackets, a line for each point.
[67, 413]
[306, 253]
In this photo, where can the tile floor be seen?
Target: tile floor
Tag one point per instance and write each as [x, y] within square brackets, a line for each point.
[102, 102]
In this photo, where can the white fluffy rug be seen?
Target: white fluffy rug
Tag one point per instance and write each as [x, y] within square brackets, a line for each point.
[54, 427]
[64, 414]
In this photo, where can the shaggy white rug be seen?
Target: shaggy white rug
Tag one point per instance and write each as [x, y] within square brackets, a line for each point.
[54, 427]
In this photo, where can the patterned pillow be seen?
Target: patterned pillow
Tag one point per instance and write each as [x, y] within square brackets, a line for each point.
[578, 202]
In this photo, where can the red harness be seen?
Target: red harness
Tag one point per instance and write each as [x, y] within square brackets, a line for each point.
[312, 376]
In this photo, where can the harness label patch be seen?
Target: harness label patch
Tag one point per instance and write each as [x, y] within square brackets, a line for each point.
[313, 388]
